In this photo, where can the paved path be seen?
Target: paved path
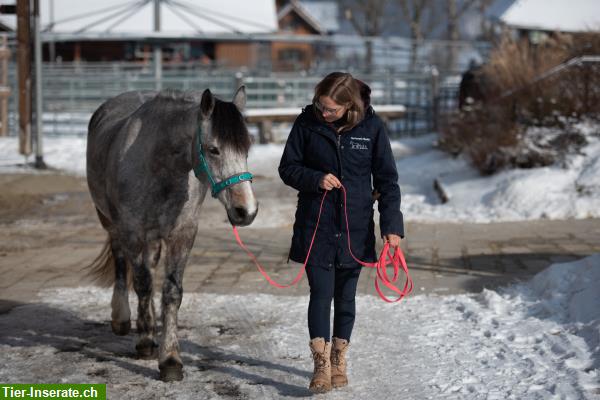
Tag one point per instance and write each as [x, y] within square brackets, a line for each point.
[48, 245]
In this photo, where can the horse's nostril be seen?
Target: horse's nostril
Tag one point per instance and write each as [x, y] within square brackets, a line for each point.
[241, 212]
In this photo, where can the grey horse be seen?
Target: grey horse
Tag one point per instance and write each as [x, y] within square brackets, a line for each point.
[142, 151]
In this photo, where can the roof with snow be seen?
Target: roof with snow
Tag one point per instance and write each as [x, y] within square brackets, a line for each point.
[321, 16]
[554, 15]
[111, 18]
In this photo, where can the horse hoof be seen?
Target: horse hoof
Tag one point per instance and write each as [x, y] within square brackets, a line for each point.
[171, 370]
[147, 349]
[120, 328]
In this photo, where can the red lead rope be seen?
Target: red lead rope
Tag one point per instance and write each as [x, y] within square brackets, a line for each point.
[386, 258]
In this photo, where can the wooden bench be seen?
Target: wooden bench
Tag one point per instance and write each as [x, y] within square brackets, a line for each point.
[265, 117]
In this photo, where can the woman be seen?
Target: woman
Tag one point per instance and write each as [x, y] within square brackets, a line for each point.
[338, 140]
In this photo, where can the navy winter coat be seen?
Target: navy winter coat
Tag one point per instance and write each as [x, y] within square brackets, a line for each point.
[314, 149]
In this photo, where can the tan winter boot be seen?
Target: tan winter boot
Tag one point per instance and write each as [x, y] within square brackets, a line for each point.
[321, 380]
[338, 362]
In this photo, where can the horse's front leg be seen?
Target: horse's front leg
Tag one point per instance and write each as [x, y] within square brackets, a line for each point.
[143, 266]
[178, 245]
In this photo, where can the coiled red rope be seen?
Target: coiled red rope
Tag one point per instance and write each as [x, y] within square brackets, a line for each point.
[386, 258]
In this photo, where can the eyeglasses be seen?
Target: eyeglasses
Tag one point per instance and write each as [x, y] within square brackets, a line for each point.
[325, 110]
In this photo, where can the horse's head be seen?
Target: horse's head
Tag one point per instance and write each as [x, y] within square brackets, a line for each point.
[221, 155]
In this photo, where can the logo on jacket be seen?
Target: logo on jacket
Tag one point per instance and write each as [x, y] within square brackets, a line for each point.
[358, 146]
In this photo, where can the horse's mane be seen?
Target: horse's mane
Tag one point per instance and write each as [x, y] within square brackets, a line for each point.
[227, 121]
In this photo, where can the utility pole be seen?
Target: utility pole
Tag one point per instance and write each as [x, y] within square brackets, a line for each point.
[4, 88]
[24, 71]
[157, 48]
[51, 45]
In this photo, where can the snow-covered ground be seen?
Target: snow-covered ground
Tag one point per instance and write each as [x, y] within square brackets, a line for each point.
[535, 340]
[555, 192]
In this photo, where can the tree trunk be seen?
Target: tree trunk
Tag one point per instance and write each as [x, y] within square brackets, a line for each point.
[369, 56]
[452, 33]
[415, 36]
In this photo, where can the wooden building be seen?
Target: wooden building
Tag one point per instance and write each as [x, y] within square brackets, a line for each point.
[300, 19]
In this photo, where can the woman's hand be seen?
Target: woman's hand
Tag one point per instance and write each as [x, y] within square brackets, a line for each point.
[329, 182]
[393, 240]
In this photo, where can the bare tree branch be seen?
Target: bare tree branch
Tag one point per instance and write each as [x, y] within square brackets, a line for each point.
[422, 16]
[367, 17]
[466, 5]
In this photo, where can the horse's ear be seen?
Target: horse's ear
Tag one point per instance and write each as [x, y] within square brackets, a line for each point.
[207, 104]
[239, 99]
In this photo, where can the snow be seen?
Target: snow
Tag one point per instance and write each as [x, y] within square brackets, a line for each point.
[65, 153]
[538, 339]
[560, 191]
[551, 15]
[554, 192]
[325, 12]
[534, 340]
[322, 16]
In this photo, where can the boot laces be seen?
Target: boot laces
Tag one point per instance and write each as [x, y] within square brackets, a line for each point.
[320, 362]
[336, 358]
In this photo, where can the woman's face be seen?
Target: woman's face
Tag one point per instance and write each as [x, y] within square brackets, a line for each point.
[329, 109]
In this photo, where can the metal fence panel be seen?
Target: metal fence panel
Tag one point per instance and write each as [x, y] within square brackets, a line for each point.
[73, 91]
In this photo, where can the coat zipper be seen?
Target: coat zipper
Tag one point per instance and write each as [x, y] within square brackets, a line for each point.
[339, 154]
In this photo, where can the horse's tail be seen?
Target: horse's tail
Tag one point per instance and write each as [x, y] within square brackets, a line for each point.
[102, 269]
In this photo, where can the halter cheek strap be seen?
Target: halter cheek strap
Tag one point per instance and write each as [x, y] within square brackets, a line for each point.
[202, 167]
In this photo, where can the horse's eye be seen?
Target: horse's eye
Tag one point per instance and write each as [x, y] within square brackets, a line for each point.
[214, 151]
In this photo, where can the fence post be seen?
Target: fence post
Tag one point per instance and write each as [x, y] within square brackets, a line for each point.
[434, 97]
[586, 88]
[390, 86]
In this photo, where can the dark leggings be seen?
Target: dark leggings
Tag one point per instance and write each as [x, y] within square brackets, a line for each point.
[339, 285]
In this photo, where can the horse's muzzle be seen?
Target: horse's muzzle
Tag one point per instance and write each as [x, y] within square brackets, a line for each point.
[239, 216]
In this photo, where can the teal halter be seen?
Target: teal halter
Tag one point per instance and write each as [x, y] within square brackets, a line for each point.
[202, 167]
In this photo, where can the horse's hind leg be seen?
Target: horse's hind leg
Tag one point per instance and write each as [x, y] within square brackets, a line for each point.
[121, 315]
[143, 265]
[178, 248]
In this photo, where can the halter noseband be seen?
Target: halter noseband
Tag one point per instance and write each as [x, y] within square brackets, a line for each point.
[202, 167]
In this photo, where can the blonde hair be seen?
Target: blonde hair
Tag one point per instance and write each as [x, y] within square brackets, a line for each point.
[342, 88]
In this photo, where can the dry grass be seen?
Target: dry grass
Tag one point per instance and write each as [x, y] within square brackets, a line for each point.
[489, 132]
[480, 134]
[514, 64]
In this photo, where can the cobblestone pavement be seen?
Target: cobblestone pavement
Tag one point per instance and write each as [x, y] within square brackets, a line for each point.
[48, 243]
